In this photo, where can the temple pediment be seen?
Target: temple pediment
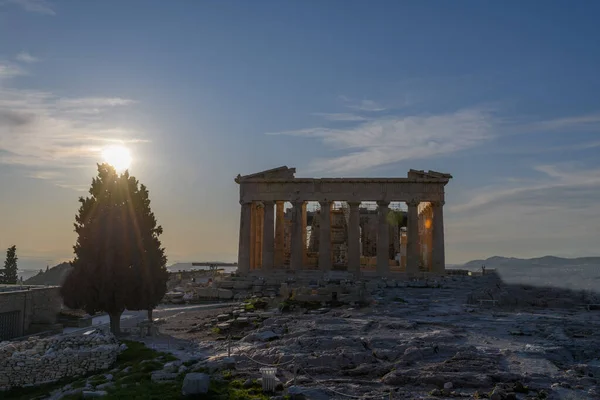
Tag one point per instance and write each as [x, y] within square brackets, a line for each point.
[282, 172]
[413, 173]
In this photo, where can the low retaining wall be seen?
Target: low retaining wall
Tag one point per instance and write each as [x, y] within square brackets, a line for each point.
[37, 361]
[27, 309]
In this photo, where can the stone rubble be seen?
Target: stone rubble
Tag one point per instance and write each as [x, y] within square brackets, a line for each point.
[36, 361]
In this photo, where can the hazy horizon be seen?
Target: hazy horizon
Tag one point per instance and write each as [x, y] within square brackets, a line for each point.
[503, 96]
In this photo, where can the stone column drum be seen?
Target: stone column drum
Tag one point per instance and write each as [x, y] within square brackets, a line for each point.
[412, 236]
[268, 250]
[279, 235]
[245, 233]
[383, 239]
[325, 236]
[354, 238]
[297, 247]
[439, 255]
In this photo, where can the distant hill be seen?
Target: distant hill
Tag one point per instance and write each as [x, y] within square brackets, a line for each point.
[546, 261]
[569, 273]
[55, 276]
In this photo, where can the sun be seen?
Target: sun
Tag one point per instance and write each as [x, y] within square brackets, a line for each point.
[117, 156]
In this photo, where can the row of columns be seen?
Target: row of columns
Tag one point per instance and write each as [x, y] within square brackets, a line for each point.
[273, 255]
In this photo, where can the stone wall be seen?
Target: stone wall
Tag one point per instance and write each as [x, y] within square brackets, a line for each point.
[37, 361]
[38, 307]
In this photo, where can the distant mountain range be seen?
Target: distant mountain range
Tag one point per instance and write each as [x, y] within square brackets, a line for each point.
[546, 261]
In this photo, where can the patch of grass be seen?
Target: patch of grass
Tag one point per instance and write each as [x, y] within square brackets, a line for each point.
[78, 384]
[97, 380]
[167, 357]
[35, 392]
[234, 390]
[291, 304]
[542, 395]
[399, 300]
[257, 303]
[189, 363]
[146, 390]
[520, 388]
[216, 330]
[136, 352]
[137, 383]
[133, 377]
[78, 396]
[150, 366]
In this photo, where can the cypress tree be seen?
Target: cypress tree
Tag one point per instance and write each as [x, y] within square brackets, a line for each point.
[119, 260]
[10, 266]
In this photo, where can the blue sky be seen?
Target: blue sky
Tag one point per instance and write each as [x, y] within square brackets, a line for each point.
[503, 95]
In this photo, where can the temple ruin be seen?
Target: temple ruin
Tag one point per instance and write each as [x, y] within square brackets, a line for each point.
[351, 228]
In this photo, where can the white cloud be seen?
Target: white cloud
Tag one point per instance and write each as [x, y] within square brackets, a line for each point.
[557, 177]
[26, 57]
[341, 117]
[362, 105]
[8, 70]
[46, 133]
[367, 105]
[387, 139]
[579, 123]
[35, 6]
[86, 102]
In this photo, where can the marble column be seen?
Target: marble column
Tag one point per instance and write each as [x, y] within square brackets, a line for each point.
[297, 247]
[257, 235]
[325, 236]
[354, 238]
[412, 238]
[304, 218]
[244, 243]
[268, 250]
[279, 235]
[383, 239]
[438, 254]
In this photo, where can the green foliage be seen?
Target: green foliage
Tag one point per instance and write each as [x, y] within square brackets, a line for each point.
[233, 389]
[395, 218]
[137, 383]
[119, 262]
[291, 304]
[9, 274]
[256, 303]
[520, 388]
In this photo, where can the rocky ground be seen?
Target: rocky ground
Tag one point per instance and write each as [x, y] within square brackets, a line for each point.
[418, 342]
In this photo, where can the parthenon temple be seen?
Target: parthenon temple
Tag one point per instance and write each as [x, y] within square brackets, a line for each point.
[351, 226]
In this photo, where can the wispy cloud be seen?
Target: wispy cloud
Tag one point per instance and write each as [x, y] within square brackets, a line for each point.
[47, 133]
[362, 105]
[9, 70]
[341, 117]
[86, 102]
[564, 177]
[35, 6]
[387, 139]
[579, 122]
[26, 57]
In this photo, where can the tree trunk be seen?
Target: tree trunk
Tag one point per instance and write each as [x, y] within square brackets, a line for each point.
[115, 323]
[149, 333]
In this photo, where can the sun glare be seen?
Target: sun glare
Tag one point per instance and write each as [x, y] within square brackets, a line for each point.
[117, 156]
